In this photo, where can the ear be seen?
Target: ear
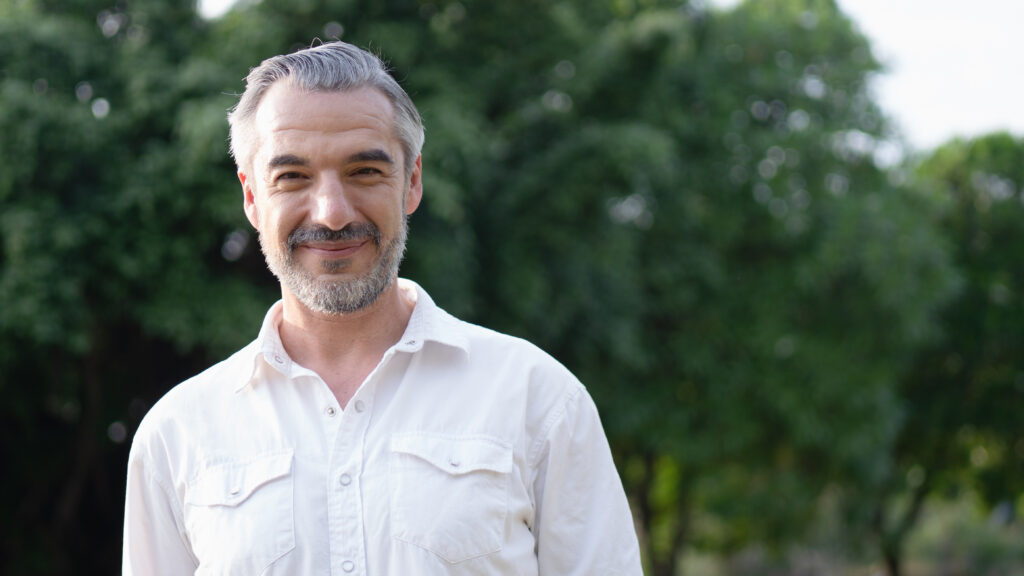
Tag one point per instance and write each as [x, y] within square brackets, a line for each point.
[415, 192]
[249, 200]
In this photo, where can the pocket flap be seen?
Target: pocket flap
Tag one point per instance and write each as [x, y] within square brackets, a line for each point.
[456, 454]
[229, 484]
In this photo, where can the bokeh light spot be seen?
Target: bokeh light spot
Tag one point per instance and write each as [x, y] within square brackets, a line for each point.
[234, 245]
[83, 91]
[117, 432]
[334, 30]
[778, 208]
[809, 20]
[798, 120]
[760, 110]
[999, 294]
[738, 174]
[784, 59]
[632, 209]
[100, 108]
[565, 69]
[110, 22]
[762, 193]
[557, 100]
[837, 184]
[785, 347]
[813, 86]
[800, 200]
[979, 456]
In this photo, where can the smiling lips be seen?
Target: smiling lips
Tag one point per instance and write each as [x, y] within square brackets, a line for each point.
[335, 249]
[334, 245]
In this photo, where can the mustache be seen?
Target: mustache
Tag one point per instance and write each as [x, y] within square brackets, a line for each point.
[354, 231]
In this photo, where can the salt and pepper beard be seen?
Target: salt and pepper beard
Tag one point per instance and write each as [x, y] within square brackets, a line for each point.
[337, 297]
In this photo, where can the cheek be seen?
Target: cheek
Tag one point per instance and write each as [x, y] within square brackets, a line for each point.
[279, 220]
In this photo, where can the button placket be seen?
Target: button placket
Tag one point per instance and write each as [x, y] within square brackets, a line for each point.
[345, 520]
[346, 524]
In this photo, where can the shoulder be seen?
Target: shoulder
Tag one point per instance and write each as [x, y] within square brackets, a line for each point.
[506, 354]
[190, 403]
[559, 414]
[520, 377]
[470, 347]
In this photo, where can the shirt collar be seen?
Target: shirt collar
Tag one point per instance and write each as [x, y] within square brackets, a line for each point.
[428, 323]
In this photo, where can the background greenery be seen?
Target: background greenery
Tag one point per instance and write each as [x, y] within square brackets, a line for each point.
[806, 356]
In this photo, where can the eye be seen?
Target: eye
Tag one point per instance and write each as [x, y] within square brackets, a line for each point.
[367, 171]
[289, 179]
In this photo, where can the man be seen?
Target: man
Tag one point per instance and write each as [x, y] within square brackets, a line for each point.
[364, 431]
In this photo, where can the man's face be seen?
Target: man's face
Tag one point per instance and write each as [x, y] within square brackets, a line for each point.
[329, 195]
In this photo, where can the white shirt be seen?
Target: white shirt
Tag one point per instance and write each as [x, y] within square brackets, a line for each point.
[465, 451]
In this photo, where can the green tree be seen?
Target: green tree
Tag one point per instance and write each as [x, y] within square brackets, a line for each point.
[960, 397]
[693, 221]
[116, 202]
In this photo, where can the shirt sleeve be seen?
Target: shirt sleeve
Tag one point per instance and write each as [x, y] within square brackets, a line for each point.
[583, 524]
[154, 539]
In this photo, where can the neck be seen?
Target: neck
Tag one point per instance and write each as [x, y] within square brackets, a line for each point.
[344, 348]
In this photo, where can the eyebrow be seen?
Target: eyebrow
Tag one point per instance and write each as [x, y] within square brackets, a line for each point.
[374, 155]
[286, 160]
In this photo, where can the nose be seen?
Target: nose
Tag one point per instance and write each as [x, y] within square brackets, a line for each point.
[332, 206]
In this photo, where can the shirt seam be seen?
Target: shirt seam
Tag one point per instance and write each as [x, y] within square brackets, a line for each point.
[179, 515]
[533, 456]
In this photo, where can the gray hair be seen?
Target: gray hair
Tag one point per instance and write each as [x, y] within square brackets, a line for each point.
[330, 67]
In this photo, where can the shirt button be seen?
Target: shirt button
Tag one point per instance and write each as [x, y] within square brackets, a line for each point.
[410, 343]
[454, 462]
[345, 479]
[360, 406]
[330, 411]
[348, 566]
[278, 359]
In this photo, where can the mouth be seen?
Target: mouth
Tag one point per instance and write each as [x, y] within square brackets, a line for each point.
[334, 245]
[334, 250]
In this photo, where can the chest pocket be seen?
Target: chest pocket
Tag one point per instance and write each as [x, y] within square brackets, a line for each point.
[239, 515]
[449, 494]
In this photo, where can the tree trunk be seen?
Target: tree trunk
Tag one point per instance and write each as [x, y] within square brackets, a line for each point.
[68, 516]
[681, 535]
[892, 559]
[644, 509]
[892, 539]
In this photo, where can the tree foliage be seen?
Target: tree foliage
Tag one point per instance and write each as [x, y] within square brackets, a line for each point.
[961, 428]
[116, 202]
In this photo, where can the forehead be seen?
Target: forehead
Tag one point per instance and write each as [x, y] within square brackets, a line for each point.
[292, 118]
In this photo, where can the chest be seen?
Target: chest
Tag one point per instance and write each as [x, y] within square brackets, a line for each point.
[410, 471]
